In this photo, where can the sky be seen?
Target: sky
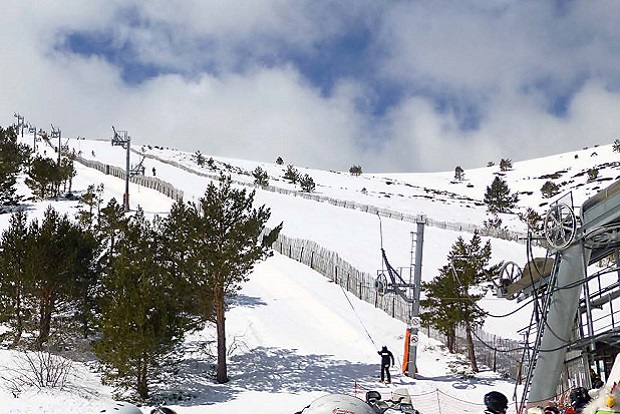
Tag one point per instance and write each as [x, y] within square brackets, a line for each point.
[392, 86]
[328, 340]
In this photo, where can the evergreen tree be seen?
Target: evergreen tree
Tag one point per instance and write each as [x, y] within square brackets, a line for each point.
[505, 164]
[229, 241]
[616, 146]
[306, 183]
[260, 177]
[592, 174]
[467, 263]
[110, 224]
[13, 158]
[355, 170]
[200, 159]
[549, 189]
[291, 174]
[441, 307]
[459, 173]
[140, 322]
[14, 276]
[532, 219]
[279, 161]
[44, 177]
[498, 198]
[60, 253]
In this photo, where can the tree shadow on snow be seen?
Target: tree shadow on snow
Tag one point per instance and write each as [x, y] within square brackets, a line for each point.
[270, 370]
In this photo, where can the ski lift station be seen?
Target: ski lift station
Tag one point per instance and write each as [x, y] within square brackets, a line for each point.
[574, 330]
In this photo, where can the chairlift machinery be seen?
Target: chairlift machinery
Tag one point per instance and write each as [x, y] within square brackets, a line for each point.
[574, 324]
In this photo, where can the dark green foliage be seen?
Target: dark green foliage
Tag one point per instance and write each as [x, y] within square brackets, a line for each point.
[453, 295]
[260, 177]
[498, 198]
[549, 189]
[43, 267]
[592, 174]
[141, 322]
[90, 206]
[227, 240]
[291, 174]
[13, 158]
[306, 183]
[45, 176]
[532, 219]
[505, 164]
[356, 170]
[14, 277]
[279, 161]
[199, 158]
[61, 254]
[459, 173]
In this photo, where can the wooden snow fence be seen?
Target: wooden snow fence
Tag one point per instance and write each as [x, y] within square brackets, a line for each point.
[344, 274]
[153, 183]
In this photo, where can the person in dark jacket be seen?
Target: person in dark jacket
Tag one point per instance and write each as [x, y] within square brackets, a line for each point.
[386, 359]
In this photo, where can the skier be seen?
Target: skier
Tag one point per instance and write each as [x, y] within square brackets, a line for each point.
[496, 403]
[386, 358]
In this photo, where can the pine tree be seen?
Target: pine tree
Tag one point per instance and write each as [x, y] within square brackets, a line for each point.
[14, 276]
[291, 174]
[60, 252]
[592, 174]
[261, 177]
[306, 183]
[44, 177]
[355, 170]
[441, 307]
[452, 300]
[616, 146]
[227, 242]
[141, 323]
[549, 189]
[498, 198]
[505, 164]
[13, 158]
[459, 173]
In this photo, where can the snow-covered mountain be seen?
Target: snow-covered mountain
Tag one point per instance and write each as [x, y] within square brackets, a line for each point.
[298, 336]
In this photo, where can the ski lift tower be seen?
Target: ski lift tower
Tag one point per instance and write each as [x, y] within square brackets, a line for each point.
[122, 138]
[20, 123]
[409, 292]
[56, 133]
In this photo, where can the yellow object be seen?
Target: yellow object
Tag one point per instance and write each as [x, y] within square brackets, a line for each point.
[610, 401]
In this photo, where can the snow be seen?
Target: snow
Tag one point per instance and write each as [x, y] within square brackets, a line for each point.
[295, 335]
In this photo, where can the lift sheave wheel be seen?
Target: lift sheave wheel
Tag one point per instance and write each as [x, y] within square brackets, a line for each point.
[510, 272]
[381, 284]
[560, 226]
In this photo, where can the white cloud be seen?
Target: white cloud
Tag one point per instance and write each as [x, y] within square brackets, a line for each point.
[506, 61]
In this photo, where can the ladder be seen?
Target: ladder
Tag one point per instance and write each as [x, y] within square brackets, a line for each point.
[531, 354]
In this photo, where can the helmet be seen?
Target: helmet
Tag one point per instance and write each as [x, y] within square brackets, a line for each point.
[338, 404]
[119, 407]
[551, 409]
[163, 410]
[496, 401]
[579, 396]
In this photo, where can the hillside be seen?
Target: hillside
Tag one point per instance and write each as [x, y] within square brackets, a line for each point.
[297, 336]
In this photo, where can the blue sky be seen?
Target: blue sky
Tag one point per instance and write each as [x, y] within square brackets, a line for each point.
[389, 85]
